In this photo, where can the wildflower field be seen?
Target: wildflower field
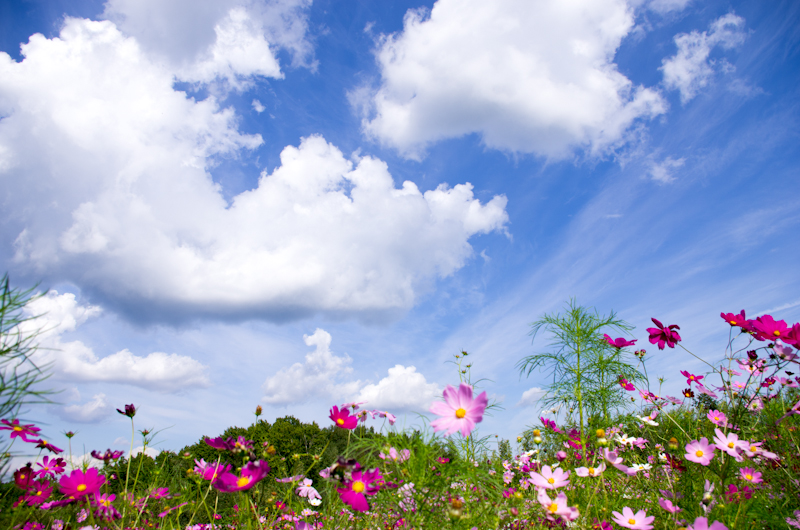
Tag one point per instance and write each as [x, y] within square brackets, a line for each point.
[723, 455]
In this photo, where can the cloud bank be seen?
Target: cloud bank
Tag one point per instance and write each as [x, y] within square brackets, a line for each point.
[527, 76]
[403, 389]
[95, 130]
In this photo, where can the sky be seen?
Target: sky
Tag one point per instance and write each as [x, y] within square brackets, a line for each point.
[297, 203]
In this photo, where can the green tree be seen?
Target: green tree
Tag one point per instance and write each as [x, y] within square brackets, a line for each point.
[19, 375]
[584, 366]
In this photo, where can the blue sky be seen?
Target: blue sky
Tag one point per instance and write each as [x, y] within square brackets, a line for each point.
[297, 204]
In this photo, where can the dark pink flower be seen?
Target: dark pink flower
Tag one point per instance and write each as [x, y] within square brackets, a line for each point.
[459, 411]
[793, 336]
[23, 477]
[739, 320]
[251, 474]
[221, 444]
[691, 378]
[362, 483]
[767, 328]
[130, 411]
[624, 383]
[17, 430]
[664, 335]
[44, 444]
[108, 456]
[50, 467]
[105, 510]
[342, 418]
[619, 343]
[79, 484]
[38, 492]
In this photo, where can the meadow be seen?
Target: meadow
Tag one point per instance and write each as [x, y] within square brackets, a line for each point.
[722, 455]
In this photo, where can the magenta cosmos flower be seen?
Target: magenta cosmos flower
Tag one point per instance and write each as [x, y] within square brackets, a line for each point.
[634, 521]
[252, 473]
[701, 523]
[78, 484]
[17, 430]
[362, 483]
[767, 328]
[667, 505]
[549, 478]
[50, 467]
[619, 343]
[130, 411]
[699, 451]
[664, 335]
[40, 490]
[459, 411]
[342, 418]
[739, 320]
[750, 475]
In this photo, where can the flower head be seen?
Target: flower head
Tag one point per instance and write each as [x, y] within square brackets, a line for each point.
[50, 467]
[699, 451]
[108, 456]
[23, 477]
[590, 471]
[307, 490]
[717, 418]
[664, 335]
[362, 483]
[342, 418]
[252, 473]
[627, 385]
[17, 430]
[130, 411]
[619, 343]
[634, 521]
[79, 483]
[667, 505]
[730, 443]
[459, 411]
[750, 475]
[767, 328]
[550, 478]
[739, 320]
[701, 523]
[38, 492]
[557, 506]
[104, 507]
[691, 378]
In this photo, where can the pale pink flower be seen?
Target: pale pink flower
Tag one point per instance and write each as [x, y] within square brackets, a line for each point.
[590, 471]
[730, 443]
[307, 490]
[459, 411]
[751, 475]
[557, 506]
[699, 451]
[634, 521]
[701, 523]
[667, 505]
[783, 351]
[753, 449]
[550, 479]
[717, 418]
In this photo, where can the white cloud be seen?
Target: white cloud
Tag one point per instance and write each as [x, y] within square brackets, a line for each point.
[95, 130]
[314, 378]
[663, 171]
[258, 106]
[531, 397]
[89, 412]
[528, 76]
[667, 6]
[152, 452]
[74, 361]
[225, 38]
[690, 69]
[404, 389]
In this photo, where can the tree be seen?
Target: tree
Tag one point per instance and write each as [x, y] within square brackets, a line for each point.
[585, 368]
[19, 375]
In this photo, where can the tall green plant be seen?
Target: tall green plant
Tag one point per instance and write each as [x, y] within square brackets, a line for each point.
[585, 368]
[19, 375]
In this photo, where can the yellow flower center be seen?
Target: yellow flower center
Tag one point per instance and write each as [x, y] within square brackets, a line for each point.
[776, 333]
[591, 471]
[358, 486]
[460, 413]
[242, 482]
[698, 454]
[749, 476]
[553, 508]
[753, 449]
[730, 445]
[38, 493]
[106, 503]
[340, 421]
[17, 428]
[81, 487]
[551, 480]
[631, 521]
[733, 322]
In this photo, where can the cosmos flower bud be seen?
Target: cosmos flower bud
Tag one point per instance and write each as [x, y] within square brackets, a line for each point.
[537, 439]
[258, 411]
[673, 443]
[537, 432]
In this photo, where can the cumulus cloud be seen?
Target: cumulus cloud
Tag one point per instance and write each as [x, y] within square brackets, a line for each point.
[230, 39]
[258, 106]
[74, 361]
[531, 397]
[96, 131]
[690, 69]
[90, 412]
[664, 171]
[527, 76]
[314, 378]
[404, 389]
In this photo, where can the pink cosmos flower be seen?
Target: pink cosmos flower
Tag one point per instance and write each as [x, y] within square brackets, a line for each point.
[557, 506]
[739, 320]
[691, 378]
[755, 404]
[394, 454]
[342, 418]
[459, 411]
[664, 335]
[79, 484]
[703, 390]
[210, 471]
[793, 337]
[307, 490]
[44, 444]
[619, 343]
[783, 352]
[751, 475]
[767, 328]
[717, 418]
[667, 505]
[130, 411]
[699, 451]
[105, 510]
[50, 467]
[637, 521]
[753, 449]
[17, 430]
[383, 414]
[550, 479]
[590, 471]
[251, 474]
[362, 483]
[701, 523]
[23, 477]
[40, 490]
[730, 443]
[624, 383]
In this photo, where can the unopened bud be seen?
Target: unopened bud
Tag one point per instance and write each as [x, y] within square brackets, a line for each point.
[271, 450]
[537, 439]
[258, 411]
[537, 432]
